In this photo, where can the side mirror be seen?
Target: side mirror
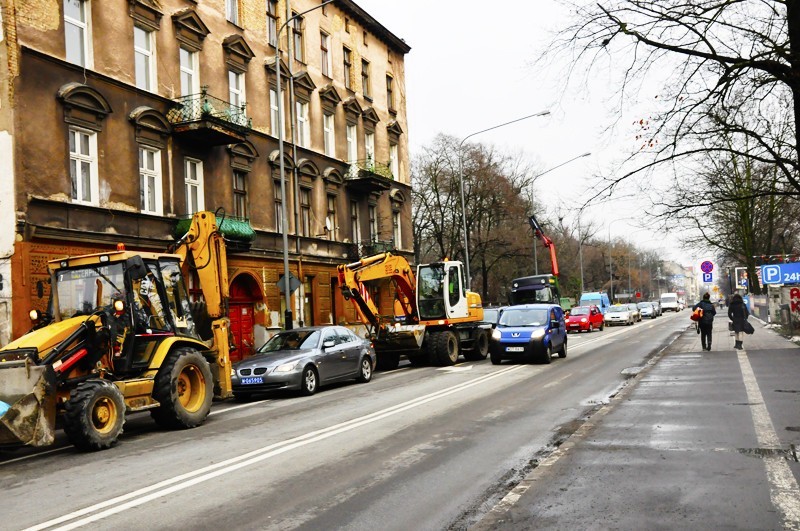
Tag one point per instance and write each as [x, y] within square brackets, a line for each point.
[136, 268]
[328, 344]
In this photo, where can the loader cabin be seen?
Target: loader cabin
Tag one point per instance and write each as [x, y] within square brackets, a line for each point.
[440, 291]
[535, 289]
[150, 286]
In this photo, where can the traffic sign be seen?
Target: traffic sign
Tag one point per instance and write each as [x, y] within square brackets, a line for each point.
[781, 273]
[707, 267]
[294, 283]
[708, 278]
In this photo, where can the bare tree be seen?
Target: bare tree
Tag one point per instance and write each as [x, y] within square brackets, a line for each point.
[734, 70]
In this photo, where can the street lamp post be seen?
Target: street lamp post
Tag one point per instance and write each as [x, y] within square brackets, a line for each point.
[461, 184]
[288, 319]
[610, 261]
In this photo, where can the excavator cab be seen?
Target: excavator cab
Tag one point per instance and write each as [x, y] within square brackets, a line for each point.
[440, 291]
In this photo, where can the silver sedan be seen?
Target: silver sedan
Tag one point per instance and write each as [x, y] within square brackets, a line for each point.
[304, 359]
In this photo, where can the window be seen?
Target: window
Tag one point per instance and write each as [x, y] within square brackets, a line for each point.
[77, 32]
[352, 144]
[236, 97]
[348, 68]
[144, 59]
[190, 80]
[365, 88]
[273, 111]
[369, 147]
[83, 166]
[239, 194]
[193, 177]
[272, 22]
[389, 92]
[329, 135]
[355, 225]
[232, 11]
[331, 218]
[278, 205]
[325, 56]
[303, 129]
[297, 31]
[394, 164]
[396, 230]
[305, 212]
[373, 223]
[150, 181]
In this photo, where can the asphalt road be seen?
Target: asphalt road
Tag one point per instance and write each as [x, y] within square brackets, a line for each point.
[416, 448]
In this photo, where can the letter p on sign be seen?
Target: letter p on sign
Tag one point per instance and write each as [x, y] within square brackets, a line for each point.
[772, 274]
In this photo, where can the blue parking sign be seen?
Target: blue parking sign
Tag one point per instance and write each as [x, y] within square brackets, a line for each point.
[781, 273]
[708, 278]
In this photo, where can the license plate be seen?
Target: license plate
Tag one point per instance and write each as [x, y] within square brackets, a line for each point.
[515, 349]
[250, 381]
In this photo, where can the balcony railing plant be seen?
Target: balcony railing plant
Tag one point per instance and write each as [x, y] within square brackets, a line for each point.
[372, 166]
[238, 232]
[197, 107]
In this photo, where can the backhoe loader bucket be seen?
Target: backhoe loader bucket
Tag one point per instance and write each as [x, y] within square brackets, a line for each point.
[29, 391]
[401, 337]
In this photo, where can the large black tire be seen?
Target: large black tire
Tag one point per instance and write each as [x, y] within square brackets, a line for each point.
[309, 382]
[184, 387]
[562, 352]
[496, 360]
[94, 415]
[480, 347]
[364, 370]
[444, 348]
[388, 361]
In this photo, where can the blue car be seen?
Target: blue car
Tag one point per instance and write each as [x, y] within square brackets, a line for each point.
[529, 332]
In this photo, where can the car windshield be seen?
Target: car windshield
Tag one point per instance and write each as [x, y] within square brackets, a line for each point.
[617, 309]
[669, 299]
[644, 305]
[291, 340]
[579, 311]
[524, 317]
[633, 307]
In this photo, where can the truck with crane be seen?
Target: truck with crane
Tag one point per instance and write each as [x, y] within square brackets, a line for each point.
[435, 316]
[538, 288]
[118, 337]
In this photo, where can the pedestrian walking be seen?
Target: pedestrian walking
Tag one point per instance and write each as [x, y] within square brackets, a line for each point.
[737, 313]
[706, 322]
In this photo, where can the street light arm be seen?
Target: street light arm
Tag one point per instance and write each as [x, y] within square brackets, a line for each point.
[542, 113]
[299, 15]
[562, 164]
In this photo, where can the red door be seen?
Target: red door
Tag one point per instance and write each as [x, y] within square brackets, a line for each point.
[241, 316]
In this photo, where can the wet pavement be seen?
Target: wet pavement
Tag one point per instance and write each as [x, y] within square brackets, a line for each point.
[698, 440]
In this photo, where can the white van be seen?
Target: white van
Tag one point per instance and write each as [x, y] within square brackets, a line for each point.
[669, 301]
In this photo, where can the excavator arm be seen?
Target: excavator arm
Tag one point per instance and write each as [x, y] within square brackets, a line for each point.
[206, 245]
[381, 266]
[548, 243]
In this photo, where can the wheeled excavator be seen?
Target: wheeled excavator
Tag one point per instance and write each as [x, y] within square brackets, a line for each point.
[119, 337]
[435, 317]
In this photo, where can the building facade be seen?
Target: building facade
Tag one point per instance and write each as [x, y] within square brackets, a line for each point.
[120, 119]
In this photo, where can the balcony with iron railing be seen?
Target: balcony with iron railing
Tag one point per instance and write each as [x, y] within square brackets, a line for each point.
[369, 176]
[210, 120]
[368, 248]
[238, 233]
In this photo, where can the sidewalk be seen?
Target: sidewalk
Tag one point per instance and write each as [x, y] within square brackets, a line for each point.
[699, 440]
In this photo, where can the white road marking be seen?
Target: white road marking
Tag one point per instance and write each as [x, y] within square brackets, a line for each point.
[169, 486]
[784, 491]
[455, 368]
[241, 406]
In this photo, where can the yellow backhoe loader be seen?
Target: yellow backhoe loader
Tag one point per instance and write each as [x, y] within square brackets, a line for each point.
[119, 337]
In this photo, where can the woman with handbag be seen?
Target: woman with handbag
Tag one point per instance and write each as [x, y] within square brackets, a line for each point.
[737, 313]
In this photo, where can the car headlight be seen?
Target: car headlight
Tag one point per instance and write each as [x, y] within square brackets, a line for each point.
[583, 320]
[496, 334]
[286, 367]
[538, 334]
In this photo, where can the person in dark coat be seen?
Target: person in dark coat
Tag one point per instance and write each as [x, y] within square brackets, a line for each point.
[737, 312]
[706, 322]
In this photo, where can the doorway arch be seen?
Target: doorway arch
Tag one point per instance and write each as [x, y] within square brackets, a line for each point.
[245, 292]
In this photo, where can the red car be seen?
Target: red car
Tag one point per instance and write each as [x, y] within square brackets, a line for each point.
[584, 318]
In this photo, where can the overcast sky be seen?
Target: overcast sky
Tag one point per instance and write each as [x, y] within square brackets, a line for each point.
[471, 67]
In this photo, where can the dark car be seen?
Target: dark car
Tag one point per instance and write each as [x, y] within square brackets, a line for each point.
[529, 332]
[492, 314]
[304, 359]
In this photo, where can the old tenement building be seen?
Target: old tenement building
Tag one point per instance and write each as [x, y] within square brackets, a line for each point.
[120, 118]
